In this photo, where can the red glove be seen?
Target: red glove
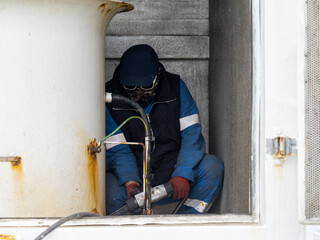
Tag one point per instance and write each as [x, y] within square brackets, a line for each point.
[132, 189]
[181, 187]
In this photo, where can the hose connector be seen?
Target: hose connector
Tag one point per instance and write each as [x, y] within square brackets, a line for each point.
[108, 97]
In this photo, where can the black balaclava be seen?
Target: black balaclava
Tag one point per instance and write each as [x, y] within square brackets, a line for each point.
[141, 96]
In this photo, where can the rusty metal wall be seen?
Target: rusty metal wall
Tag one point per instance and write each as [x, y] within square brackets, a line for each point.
[230, 99]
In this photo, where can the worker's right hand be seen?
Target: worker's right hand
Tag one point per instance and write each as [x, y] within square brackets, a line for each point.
[180, 186]
[132, 188]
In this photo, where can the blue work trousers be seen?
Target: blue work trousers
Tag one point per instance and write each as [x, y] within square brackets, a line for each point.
[208, 183]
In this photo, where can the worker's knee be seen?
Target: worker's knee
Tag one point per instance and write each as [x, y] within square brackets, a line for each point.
[209, 179]
[213, 169]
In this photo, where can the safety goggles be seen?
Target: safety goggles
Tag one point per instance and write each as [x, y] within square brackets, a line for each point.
[148, 88]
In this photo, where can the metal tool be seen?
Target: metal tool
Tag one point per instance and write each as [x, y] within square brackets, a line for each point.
[137, 201]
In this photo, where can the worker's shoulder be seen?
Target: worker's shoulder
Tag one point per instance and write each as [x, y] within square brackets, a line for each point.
[172, 76]
[110, 85]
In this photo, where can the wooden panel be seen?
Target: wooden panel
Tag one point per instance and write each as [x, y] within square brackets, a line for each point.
[195, 74]
[168, 47]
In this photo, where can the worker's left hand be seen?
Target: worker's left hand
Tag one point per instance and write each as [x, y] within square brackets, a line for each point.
[181, 187]
[132, 188]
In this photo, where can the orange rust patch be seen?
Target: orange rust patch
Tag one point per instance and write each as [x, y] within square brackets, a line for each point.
[102, 6]
[16, 166]
[16, 163]
[7, 237]
[17, 179]
[93, 179]
[94, 210]
[92, 144]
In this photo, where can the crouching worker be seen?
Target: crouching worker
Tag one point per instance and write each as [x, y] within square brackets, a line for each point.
[179, 154]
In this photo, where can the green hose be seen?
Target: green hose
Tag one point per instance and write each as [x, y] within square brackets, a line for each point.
[128, 119]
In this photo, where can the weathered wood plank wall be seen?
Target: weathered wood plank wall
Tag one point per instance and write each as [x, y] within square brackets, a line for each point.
[178, 31]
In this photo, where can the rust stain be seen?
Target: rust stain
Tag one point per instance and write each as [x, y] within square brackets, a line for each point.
[93, 177]
[106, 8]
[16, 167]
[281, 146]
[94, 210]
[277, 155]
[146, 212]
[18, 184]
[102, 6]
[92, 144]
[128, 6]
[7, 237]
[280, 152]
[17, 163]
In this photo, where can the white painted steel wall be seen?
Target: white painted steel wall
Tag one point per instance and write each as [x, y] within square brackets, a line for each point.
[52, 105]
[278, 72]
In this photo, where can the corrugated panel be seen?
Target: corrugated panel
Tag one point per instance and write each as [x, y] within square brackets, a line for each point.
[313, 112]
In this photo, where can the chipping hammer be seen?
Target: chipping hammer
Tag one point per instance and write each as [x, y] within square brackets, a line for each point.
[157, 193]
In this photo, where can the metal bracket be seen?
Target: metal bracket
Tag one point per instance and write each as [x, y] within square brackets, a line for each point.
[281, 147]
[15, 160]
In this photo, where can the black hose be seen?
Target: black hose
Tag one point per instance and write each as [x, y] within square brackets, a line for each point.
[64, 220]
[119, 98]
[120, 211]
[148, 139]
[179, 205]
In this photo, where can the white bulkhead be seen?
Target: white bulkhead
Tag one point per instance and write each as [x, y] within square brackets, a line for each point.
[52, 105]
